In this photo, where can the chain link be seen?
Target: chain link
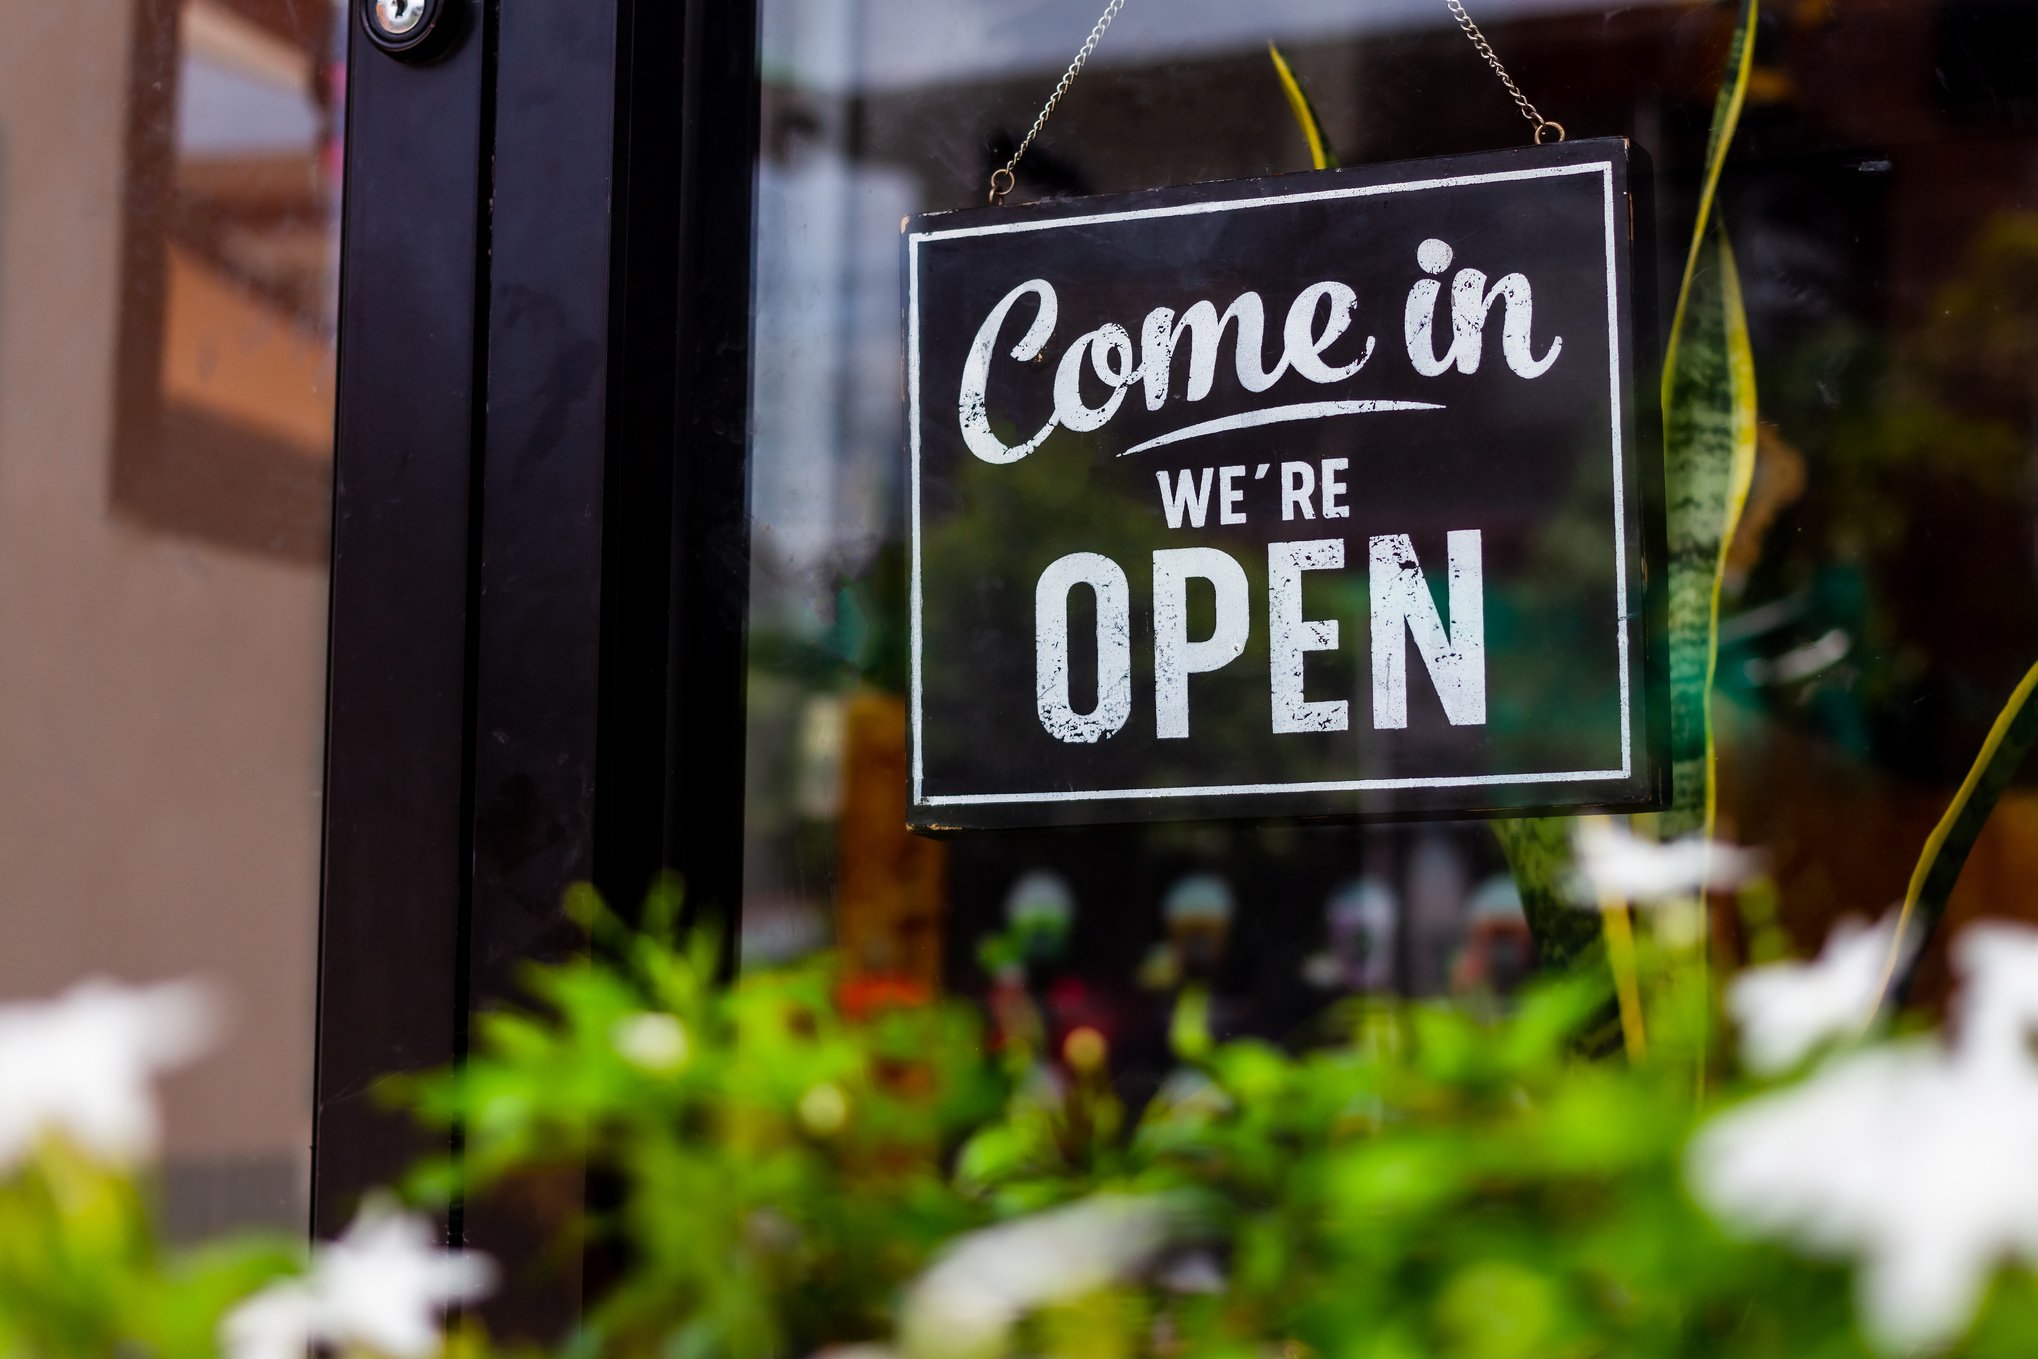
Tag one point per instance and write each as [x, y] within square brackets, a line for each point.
[1521, 100]
[1005, 177]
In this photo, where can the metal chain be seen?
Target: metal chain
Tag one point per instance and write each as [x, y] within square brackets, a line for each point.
[1521, 102]
[1004, 178]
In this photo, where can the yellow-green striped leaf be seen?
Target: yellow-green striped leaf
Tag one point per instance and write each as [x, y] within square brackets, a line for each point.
[1709, 441]
[1709, 458]
[1321, 154]
[1709, 461]
[1945, 854]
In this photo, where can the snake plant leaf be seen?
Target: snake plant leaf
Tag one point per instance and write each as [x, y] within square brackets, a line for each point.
[1321, 153]
[1709, 459]
[1709, 437]
[1568, 938]
[1947, 847]
[1538, 850]
[1726, 118]
[1709, 463]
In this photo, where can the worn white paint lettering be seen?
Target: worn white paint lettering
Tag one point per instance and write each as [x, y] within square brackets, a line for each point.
[976, 372]
[1231, 495]
[1304, 344]
[1334, 488]
[1298, 487]
[1175, 657]
[1109, 350]
[1185, 496]
[1318, 318]
[1290, 636]
[1402, 606]
[1051, 648]
[1471, 303]
[1161, 336]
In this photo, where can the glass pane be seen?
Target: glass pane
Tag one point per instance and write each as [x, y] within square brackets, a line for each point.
[1878, 607]
[169, 185]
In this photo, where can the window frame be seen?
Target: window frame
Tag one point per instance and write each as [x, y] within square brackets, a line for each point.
[540, 542]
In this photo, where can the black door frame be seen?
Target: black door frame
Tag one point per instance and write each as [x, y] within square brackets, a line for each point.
[540, 536]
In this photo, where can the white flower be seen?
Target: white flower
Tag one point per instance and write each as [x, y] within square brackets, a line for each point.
[1998, 1003]
[652, 1042]
[381, 1288]
[969, 1299]
[1914, 1158]
[1785, 1010]
[276, 1323]
[1920, 1165]
[81, 1066]
[1616, 864]
[824, 1109]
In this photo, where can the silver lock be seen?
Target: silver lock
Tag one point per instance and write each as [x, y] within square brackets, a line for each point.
[416, 30]
[397, 18]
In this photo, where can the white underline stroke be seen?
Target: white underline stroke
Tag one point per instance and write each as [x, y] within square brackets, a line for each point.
[1278, 415]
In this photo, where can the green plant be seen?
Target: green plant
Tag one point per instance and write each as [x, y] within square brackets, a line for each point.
[794, 1164]
[1945, 852]
[84, 1272]
[781, 1153]
[796, 1172]
[1709, 457]
[84, 1269]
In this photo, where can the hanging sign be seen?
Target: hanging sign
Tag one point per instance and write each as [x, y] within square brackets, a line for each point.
[1327, 495]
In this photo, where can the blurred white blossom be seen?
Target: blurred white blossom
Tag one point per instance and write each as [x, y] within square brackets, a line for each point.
[380, 1288]
[1616, 864]
[970, 1298]
[1915, 1158]
[274, 1323]
[824, 1109]
[1786, 1010]
[1997, 1009]
[82, 1066]
[652, 1042]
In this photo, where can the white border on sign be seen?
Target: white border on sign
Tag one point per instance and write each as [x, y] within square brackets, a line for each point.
[1620, 542]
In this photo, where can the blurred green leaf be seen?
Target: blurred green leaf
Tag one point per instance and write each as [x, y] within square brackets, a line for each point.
[1946, 849]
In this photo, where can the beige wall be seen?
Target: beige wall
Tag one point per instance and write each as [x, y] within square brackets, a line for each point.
[161, 698]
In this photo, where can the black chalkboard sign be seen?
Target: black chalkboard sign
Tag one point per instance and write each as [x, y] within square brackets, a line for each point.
[1335, 494]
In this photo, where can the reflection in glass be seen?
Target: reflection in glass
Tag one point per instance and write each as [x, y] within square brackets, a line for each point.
[169, 184]
[1879, 604]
